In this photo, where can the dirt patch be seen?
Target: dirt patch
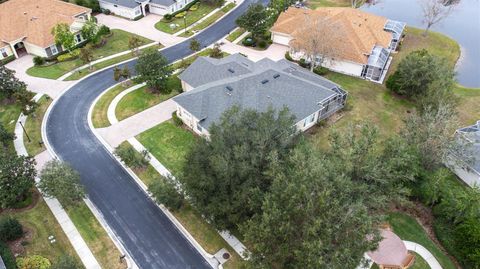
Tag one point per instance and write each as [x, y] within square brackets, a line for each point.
[425, 217]
[18, 246]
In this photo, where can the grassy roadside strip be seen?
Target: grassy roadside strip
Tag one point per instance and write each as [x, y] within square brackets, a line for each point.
[86, 71]
[407, 228]
[9, 113]
[208, 21]
[192, 16]
[99, 113]
[203, 232]
[33, 127]
[235, 34]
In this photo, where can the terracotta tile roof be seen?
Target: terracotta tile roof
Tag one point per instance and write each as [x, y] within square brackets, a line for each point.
[34, 19]
[355, 33]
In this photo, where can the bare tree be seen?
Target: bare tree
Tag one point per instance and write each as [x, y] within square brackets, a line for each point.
[318, 39]
[434, 11]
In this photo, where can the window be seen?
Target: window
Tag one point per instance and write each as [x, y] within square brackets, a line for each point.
[53, 49]
[199, 128]
[78, 38]
[309, 120]
[4, 52]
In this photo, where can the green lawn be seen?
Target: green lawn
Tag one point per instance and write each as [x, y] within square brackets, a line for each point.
[9, 113]
[203, 232]
[99, 113]
[143, 98]
[41, 224]
[235, 34]
[84, 72]
[208, 21]
[118, 42]
[169, 144]
[33, 126]
[96, 237]
[407, 228]
[191, 18]
[313, 4]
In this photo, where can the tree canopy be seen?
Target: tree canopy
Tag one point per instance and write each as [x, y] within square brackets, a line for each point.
[226, 177]
[60, 180]
[63, 36]
[17, 177]
[153, 69]
[9, 84]
[255, 20]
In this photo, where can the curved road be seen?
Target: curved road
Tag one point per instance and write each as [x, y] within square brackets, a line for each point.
[147, 234]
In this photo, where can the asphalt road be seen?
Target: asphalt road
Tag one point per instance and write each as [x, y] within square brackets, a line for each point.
[147, 234]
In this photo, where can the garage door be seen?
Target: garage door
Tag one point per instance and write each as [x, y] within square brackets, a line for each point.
[280, 39]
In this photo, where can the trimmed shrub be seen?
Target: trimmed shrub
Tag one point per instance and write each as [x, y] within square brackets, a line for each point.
[194, 7]
[248, 41]
[7, 60]
[138, 17]
[303, 63]
[262, 44]
[33, 262]
[164, 192]
[69, 56]
[37, 60]
[168, 17]
[176, 120]
[103, 30]
[320, 70]
[131, 157]
[7, 256]
[181, 14]
[10, 229]
[107, 12]
[288, 57]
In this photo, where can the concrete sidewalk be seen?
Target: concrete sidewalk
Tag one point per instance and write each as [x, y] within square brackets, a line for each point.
[80, 246]
[49, 87]
[426, 255]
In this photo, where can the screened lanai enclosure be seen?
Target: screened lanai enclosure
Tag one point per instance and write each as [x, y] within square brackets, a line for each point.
[396, 28]
[377, 64]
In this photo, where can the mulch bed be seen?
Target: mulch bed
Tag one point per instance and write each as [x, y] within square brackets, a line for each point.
[35, 199]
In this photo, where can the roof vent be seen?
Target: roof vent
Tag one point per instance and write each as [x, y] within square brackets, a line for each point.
[276, 76]
[229, 88]
[265, 81]
[231, 70]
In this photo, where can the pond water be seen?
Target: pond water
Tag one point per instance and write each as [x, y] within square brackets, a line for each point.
[463, 25]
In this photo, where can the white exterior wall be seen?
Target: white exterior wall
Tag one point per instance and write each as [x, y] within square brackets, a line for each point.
[305, 124]
[186, 87]
[7, 49]
[281, 39]
[158, 9]
[129, 13]
[344, 67]
[190, 121]
[35, 50]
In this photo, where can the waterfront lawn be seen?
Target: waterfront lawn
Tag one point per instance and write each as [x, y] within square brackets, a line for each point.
[169, 144]
[143, 98]
[33, 127]
[192, 16]
[96, 237]
[235, 34]
[116, 43]
[40, 224]
[99, 113]
[208, 21]
[407, 228]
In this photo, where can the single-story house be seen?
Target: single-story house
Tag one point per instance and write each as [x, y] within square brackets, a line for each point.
[362, 42]
[132, 9]
[213, 86]
[468, 170]
[26, 25]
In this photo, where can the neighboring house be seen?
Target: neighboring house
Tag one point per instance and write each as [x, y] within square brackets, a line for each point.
[26, 25]
[363, 41]
[468, 170]
[215, 85]
[132, 9]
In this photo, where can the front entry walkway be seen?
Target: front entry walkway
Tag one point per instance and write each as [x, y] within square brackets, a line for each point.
[144, 27]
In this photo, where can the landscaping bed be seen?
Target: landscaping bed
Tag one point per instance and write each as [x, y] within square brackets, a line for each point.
[195, 13]
[209, 21]
[33, 127]
[142, 98]
[116, 43]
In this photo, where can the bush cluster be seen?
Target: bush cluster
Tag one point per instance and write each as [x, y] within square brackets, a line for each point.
[131, 157]
[10, 229]
[7, 256]
[37, 60]
[176, 120]
[320, 70]
[69, 56]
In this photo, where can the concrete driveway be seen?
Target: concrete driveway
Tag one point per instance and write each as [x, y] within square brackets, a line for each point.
[49, 87]
[144, 27]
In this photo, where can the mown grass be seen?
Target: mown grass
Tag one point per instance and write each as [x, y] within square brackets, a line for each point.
[191, 17]
[143, 98]
[96, 237]
[99, 112]
[313, 4]
[33, 126]
[116, 43]
[209, 21]
[9, 113]
[235, 34]
[191, 219]
[41, 223]
[407, 228]
[169, 144]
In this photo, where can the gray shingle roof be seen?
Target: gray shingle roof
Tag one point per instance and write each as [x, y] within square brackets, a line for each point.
[259, 86]
[123, 3]
[163, 2]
